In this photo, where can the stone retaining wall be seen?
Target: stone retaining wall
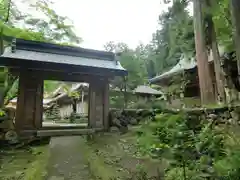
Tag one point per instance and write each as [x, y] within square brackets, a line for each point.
[226, 115]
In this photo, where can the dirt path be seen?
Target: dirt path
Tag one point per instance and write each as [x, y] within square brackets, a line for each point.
[66, 159]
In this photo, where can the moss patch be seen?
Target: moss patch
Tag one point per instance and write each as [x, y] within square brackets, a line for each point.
[37, 169]
[24, 164]
[114, 156]
[192, 101]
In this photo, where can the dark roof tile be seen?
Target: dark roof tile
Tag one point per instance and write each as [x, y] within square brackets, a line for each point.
[41, 52]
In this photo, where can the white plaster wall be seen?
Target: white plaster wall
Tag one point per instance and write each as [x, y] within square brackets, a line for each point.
[66, 110]
[82, 108]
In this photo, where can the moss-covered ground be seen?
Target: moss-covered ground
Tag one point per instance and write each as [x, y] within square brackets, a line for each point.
[24, 164]
[103, 156]
[114, 156]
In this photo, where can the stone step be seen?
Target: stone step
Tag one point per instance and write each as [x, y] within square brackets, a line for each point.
[62, 127]
[59, 132]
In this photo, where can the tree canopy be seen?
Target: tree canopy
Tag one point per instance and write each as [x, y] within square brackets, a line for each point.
[173, 37]
[49, 26]
[133, 61]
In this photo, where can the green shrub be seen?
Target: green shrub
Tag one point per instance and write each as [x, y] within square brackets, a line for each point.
[158, 104]
[144, 104]
[178, 174]
[141, 104]
[53, 114]
[227, 167]
[117, 102]
[210, 152]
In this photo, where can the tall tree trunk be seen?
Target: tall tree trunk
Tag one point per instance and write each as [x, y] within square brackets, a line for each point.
[205, 80]
[215, 52]
[218, 70]
[235, 10]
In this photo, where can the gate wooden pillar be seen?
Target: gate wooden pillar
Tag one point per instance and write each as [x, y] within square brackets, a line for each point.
[98, 104]
[30, 101]
[106, 105]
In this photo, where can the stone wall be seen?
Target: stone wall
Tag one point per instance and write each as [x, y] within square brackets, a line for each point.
[189, 102]
[122, 118]
[220, 115]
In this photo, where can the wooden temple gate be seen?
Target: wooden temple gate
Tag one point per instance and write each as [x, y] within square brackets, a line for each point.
[35, 62]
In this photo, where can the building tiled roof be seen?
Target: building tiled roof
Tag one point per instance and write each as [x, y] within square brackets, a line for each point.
[183, 64]
[40, 52]
[147, 90]
[45, 101]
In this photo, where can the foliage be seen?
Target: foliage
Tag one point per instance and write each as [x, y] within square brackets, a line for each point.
[133, 62]
[134, 102]
[223, 24]
[53, 113]
[55, 28]
[73, 94]
[52, 28]
[47, 26]
[50, 86]
[193, 153]
[147, 104]
[2, 113]
[174, 37]
[7, 83]
[116, 100]
[228, 166]
[12, 91]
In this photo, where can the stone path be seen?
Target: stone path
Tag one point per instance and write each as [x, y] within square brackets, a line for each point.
[66, 161]
[50, 123]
